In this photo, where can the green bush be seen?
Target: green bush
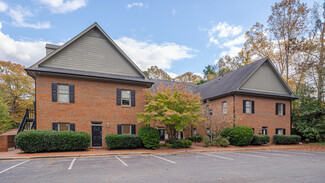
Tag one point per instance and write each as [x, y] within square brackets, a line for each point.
[179, 144]
[165, 145]
[286, 139]
[114, 141]
[220, 141]
[207, 141]
[195, 138]
[150, 137]
[260, 139]
[33, 141]
[240, 136]
[225, 132]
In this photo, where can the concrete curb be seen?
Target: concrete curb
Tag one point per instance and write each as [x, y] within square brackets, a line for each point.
[147, 153]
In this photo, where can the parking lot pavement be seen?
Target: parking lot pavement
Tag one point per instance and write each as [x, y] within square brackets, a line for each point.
[248, 166]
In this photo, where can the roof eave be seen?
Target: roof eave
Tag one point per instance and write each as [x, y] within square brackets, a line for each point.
[31, 72]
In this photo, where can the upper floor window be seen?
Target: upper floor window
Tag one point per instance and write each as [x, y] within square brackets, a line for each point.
[224, 107]
[248, 106]
[63, 93]
[126, 98]
[280, 109]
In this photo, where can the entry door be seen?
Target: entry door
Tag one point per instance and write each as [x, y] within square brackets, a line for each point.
[96, 135]
[161, 133]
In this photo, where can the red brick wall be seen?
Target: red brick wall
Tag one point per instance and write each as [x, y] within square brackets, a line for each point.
[264, 115]
[95, 101]
[6, 141]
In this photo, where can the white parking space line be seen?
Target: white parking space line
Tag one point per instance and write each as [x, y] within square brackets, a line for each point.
[297, 152]
[221, 157]
[14, 166]
[251, 155]
[164, 159]
[71, 164]
[272, 153]
[121, 161]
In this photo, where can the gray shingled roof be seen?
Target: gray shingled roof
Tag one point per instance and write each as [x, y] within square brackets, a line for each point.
[190, 87]
[89, 74]
[226, 84]
[229, 82]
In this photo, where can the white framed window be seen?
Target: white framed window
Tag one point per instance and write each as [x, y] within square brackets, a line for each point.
[194, 131]
[63, 93]
[264, 130]
[126, 129]
[248, 106]
[126, 97]
[280, 131]
[63, 126]
[224, 107]
[280, 109]
[208, 131]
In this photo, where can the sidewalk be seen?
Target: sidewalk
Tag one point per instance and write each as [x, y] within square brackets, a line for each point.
[196, 148]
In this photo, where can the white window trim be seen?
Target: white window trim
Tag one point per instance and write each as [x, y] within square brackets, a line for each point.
[125, 98]
[63, 124]
[279, 129]
[250, 107]
[280, 109]
[130, 129]
[263, 130]
[58, 93]
[224, 108]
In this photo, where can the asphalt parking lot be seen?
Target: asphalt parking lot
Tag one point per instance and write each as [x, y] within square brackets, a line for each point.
[249, 166]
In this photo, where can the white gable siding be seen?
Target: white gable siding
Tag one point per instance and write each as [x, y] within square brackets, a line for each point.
[92, 52]
[265, 80]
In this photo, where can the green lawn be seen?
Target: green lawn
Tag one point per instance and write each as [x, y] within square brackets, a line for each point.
[318, 143]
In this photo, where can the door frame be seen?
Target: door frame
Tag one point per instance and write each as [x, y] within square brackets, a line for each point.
[93, 123]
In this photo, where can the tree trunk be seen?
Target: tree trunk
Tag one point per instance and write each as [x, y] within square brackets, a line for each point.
[320, 67]
[171, 131]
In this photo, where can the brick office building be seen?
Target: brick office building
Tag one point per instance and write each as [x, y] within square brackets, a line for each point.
[89, 84]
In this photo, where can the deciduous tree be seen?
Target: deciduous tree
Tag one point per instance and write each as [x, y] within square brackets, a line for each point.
[175, 107]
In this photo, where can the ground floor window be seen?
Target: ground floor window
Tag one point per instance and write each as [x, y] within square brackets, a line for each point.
[194, 131]
[208, 131]
[179, 135]
[63, 126]
[280, 131]
[264, 130]
[161, 131]
[125, 129]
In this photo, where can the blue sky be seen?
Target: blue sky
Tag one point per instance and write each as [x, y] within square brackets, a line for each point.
[176, 35]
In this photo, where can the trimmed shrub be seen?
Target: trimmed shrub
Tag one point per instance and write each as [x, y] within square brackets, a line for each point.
[165, 145]
[179, 144]
[195, 138]
[150, 137]
[286, 139]
[220, 141]
[33, 141]
[225, 132]
[207, 141]
[240, 136]
[114, 141]
[260, 139]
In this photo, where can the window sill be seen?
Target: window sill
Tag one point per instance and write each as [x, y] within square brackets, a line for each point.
[126, 106]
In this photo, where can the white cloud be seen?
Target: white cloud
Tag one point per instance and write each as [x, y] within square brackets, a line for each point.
[19, 15]
[146, 54]
[221, 31]
[131, 5]
[64, 6]
[173, 75]
[239, 40]
[23, 52]
[232, 52]
[3, 6]
[199, 74]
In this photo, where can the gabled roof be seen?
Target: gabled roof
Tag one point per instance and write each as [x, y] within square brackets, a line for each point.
[231, 82]
[57, 49]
